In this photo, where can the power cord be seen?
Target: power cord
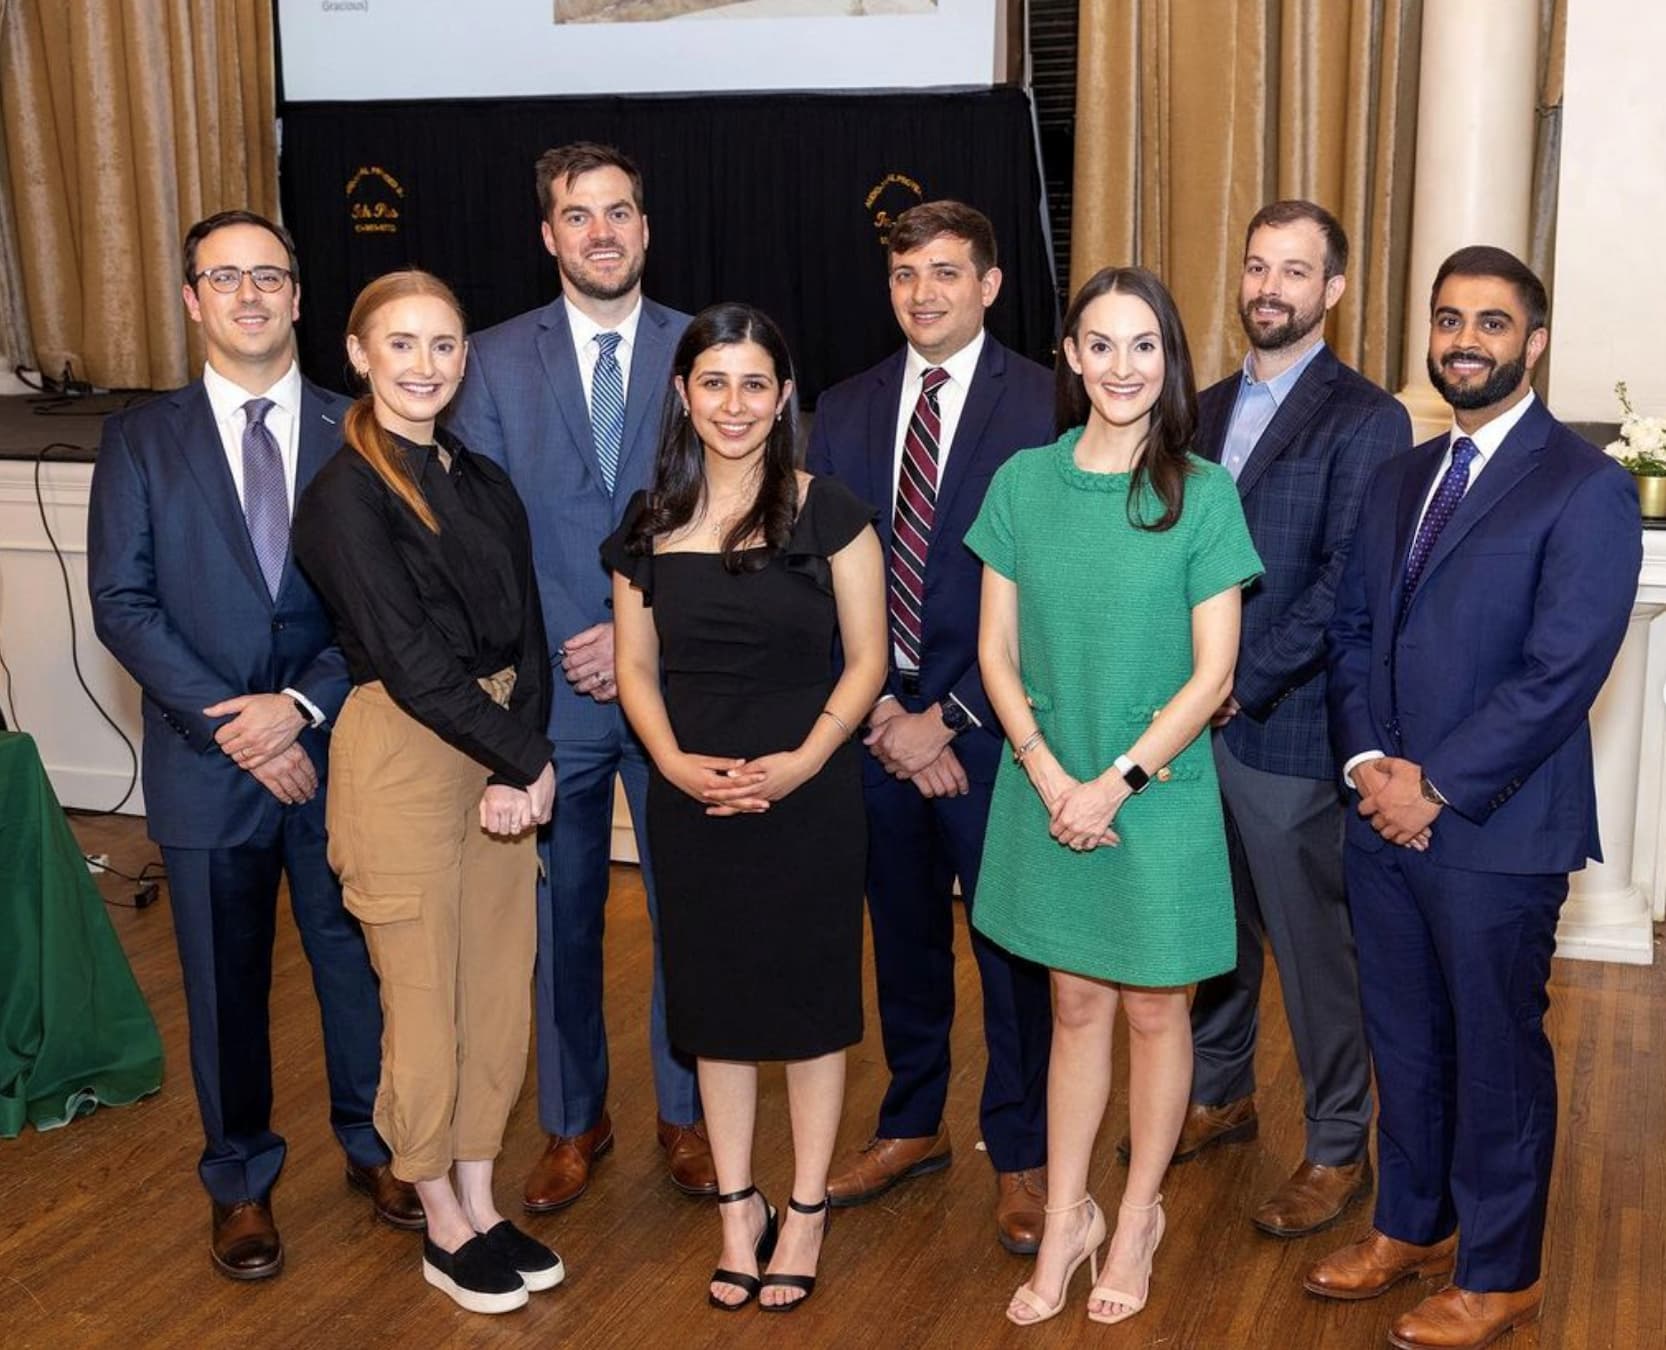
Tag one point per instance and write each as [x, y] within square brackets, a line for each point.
[149, 880]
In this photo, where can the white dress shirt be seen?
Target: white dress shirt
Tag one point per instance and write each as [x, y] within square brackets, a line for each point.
[584, 330]
[1486, 440]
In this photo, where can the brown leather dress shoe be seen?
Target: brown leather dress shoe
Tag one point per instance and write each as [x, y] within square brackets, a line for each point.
[1377, 1263]
[881, 1163]
[1456, 1319]
[1313, 1198]
[1206, 1126]
[395, 1201]
[562, 1172]
[1020, 1205]
[688, 1153]
[246, 1245]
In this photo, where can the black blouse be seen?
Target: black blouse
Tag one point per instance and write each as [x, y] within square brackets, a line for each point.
[427, 614]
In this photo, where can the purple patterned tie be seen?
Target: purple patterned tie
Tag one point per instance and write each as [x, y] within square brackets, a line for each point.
[265, 496]
[1441, 506]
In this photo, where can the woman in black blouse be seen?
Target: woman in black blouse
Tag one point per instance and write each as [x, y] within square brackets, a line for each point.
[439, 771]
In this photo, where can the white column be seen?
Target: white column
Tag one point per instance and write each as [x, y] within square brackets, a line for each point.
[1607, 916]
[1476, 115]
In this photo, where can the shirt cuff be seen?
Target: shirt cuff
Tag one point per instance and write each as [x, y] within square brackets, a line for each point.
[1355, 762]
[307, 703]
[971, 716]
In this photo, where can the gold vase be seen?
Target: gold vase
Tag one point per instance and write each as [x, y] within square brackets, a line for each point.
[1651, 492]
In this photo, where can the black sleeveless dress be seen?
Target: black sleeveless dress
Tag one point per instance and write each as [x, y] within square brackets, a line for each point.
[760, 915]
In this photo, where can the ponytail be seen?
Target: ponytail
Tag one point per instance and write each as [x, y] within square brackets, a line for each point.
[370, 439]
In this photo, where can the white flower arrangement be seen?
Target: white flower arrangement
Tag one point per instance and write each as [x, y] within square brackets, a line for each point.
[1641, 448]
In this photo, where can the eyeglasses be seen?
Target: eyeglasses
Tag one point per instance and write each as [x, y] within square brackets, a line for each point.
[228, 279]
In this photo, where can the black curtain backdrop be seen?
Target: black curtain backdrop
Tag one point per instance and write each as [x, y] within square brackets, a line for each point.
[778, 200]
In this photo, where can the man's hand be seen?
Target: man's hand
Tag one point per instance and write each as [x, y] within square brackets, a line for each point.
[943, 777]
[1392, 800]
[1225, 713]
[541, 795]
[905, 742]
[261, 726]
[288, 776]
[505, 811]
[587, 662]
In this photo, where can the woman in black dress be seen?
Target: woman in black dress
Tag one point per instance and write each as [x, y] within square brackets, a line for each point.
[731, 580]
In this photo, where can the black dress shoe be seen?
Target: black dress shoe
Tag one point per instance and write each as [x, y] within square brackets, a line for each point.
[474, 1275]
[538, 1267]
[395, 1202]
[245, 1245]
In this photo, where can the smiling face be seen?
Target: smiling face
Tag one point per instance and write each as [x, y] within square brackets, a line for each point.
[938, 296]
[733, 396]
[411, 355]
[1117, 349]
[597, 235]
[1480, 352]
[249, 333]
[1284, 293]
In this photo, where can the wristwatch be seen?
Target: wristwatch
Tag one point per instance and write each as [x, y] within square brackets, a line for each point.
[1431, 793]
[955, 717]
[1132, 774]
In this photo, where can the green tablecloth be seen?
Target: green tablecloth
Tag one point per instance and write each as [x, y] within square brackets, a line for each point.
[74, 1029]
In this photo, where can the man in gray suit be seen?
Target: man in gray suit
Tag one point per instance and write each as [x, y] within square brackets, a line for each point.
[567, 398]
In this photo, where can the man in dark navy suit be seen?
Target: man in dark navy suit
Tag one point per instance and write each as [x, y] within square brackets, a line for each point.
[1301, 433]
[919, 436]
[1493, 573]
[195, 592]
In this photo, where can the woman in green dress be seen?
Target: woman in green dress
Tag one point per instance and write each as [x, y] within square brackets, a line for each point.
[1113, 563]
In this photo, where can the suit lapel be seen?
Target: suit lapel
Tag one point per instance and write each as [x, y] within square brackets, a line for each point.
[1414, 487]
[205, 456]
[1214, 415]
[318, 436]
[1311, 390]
[884, 408]
[555, 351]
[649, 378]
[987, 386]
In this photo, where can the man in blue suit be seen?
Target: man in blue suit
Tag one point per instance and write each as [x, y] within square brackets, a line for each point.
[568, 399]
[195, 592]
[1488, 592]
[938, 418]
[1301, 433]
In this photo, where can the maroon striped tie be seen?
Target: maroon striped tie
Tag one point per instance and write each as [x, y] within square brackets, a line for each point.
[911, 526]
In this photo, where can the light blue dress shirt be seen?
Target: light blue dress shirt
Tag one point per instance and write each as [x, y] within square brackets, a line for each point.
[1257, 401]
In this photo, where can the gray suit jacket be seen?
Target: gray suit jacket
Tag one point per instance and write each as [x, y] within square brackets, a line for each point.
[522, 405]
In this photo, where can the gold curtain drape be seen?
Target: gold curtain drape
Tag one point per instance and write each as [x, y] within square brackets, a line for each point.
[124, 122]
[15, 347]
[1190, 114]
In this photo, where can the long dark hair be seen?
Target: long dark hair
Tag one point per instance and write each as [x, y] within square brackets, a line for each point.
[680, 466]
[1173, 417]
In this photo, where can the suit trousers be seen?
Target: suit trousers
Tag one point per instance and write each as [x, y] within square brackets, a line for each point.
[1284, 839]
[572, 912]
[1453, 969]
[224, 904]
[448, 915]
[917, 847]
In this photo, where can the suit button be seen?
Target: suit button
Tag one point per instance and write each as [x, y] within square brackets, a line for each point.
[277, 625]
[1164, 774]
[1385, 663]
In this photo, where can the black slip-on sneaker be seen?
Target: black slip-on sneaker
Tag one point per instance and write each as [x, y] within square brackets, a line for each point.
[474, 1275]
[538, 1267]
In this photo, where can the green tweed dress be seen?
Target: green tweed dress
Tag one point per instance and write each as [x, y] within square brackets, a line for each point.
[1104, 641]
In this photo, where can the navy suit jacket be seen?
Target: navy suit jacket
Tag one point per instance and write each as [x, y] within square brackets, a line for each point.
[179, 599]
[1009, 407]
[1488, 680]
[1301, 490]
[522, 405]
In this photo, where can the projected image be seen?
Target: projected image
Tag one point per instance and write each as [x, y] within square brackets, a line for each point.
[653, 11]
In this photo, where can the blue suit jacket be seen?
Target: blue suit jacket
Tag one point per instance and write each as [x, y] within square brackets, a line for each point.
[522, 405]
[1509, 636]
[178, 598]
[1300, 490]
[1009, 407]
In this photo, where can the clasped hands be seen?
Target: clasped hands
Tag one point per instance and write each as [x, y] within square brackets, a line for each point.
[916, 747]
[1079, 814]
[508, 811]
[261, 739]
[735, 787]
[1391, 798]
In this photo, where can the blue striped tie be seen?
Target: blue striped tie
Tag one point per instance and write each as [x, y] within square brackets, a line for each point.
[607, 407]
[265, 494]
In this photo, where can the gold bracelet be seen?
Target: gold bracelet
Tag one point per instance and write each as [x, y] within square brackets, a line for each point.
[843, 725]
[1035, 739]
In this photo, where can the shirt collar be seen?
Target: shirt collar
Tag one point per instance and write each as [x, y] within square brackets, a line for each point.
[1282, 383]
[960, 367]
[585, 328]
[1487, 439]
[225, 396]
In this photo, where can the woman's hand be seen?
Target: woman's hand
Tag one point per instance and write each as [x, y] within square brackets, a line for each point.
[758, 782]
[1047, 775]
[506, 811]
[1081, 815]
[701, 776]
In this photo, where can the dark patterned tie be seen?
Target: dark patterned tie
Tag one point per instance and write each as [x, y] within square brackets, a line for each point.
[607, 406]
[911, 526]
[265, 496]
[1441, 506]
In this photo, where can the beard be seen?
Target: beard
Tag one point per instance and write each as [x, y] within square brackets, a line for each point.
[588, 283]
[1296, 324]
[1500, 382]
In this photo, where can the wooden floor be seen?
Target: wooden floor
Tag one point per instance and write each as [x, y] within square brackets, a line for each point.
[103, 1228]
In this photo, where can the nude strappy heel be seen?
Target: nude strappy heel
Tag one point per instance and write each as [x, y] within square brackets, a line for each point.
[1133, 1303]
[1089, 1253]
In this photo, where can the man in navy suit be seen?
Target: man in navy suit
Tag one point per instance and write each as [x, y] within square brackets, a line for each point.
[195, 592]
[568, 399]
[938, 418]
[1487, 594]
[1301, 433]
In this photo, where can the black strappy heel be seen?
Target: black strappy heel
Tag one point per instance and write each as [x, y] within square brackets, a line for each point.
[805, 1282]
[765, 1249]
